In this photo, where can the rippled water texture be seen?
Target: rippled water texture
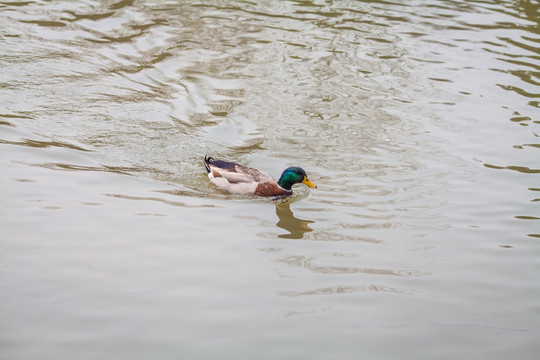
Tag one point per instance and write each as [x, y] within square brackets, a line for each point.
[418, 120]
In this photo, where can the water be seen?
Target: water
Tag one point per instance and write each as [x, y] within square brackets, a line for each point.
[418, 121]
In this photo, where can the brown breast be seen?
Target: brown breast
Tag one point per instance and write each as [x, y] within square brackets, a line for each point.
[271, 189]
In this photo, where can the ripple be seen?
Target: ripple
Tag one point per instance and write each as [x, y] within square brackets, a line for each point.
[347, 289]
[43, 144]
[521, 169]
[156, 199]
[314, 265]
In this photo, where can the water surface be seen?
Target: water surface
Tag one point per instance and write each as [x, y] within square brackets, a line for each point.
[418, 121]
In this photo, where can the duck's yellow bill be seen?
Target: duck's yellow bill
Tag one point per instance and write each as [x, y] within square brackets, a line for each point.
[307, 182]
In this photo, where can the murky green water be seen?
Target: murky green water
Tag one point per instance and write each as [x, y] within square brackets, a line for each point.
[419, 122]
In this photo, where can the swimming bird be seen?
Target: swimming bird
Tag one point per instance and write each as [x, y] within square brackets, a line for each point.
[242, 180]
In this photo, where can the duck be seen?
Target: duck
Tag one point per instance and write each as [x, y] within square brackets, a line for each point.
[242, 180]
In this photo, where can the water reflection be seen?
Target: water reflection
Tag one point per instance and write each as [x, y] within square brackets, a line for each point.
[287, 221]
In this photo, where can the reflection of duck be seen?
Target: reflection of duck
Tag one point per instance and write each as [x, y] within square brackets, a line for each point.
[296, 227]
[243, 180]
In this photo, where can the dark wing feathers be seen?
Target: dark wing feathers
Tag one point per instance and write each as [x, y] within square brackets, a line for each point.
[225, 165]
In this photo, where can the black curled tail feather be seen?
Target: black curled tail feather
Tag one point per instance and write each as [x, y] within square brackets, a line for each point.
[207, 161]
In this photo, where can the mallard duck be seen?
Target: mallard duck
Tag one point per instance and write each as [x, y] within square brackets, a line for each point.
[242, 180]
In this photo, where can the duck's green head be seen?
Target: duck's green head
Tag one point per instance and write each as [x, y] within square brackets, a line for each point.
[294, 175]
